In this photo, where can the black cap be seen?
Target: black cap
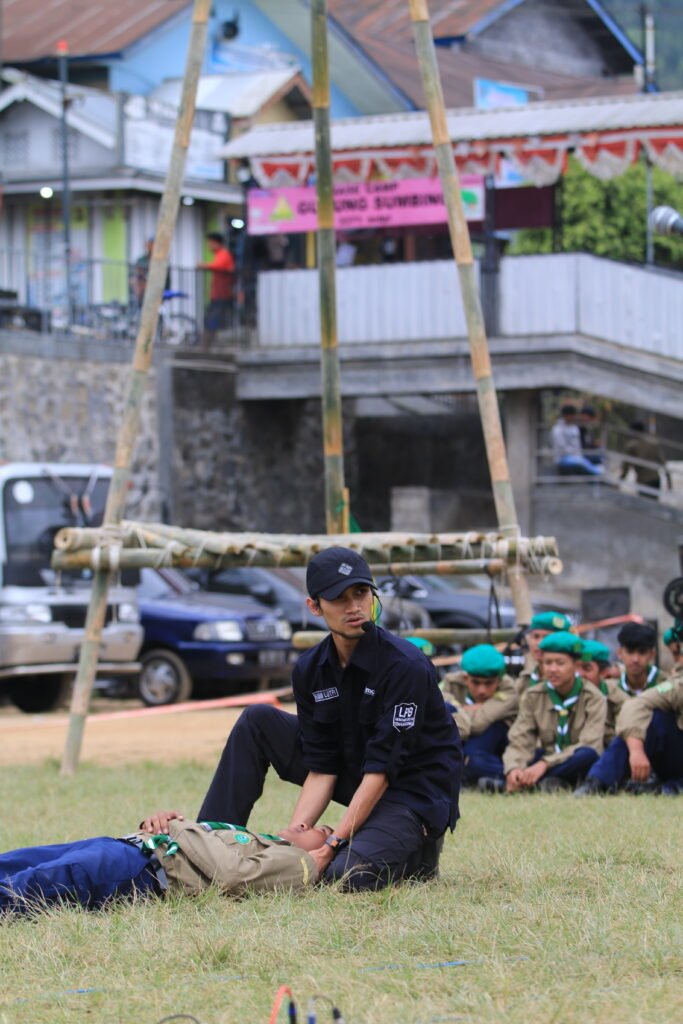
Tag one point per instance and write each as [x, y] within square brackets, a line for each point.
[331, 571]
[636, 634]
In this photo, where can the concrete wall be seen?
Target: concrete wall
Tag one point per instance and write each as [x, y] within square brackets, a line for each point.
[63, 407]
[609, 539]
[31, 144]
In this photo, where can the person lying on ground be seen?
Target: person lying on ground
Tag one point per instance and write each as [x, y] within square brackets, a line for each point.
[168, 854]
[558, 733]
[485, 702]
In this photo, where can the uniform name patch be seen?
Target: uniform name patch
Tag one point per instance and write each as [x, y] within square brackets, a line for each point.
[320, 695]
[404, 716]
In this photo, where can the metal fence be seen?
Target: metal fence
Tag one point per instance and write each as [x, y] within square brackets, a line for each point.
[106, 298]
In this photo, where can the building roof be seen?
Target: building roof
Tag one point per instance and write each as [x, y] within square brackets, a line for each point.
[384, 31]
[31, 29]
[89, 111]
[239, 94]
[606, 114]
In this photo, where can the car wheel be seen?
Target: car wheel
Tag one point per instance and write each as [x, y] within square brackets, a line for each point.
[36, 694]
[163, 679]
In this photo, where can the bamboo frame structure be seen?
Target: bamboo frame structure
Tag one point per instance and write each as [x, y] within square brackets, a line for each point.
[304, 639]
[336, 495]
[142, 359]
[462, 249]
[133, 545]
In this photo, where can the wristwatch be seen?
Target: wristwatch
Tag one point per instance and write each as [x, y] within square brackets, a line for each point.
[336, 843]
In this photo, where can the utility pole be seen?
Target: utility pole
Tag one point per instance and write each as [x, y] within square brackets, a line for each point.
[62, 60]
[336, 496]
[649, 85]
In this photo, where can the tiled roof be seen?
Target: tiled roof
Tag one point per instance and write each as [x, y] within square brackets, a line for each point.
[31, 29]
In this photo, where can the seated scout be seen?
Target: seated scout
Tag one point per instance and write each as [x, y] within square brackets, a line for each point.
[485, 704]
[559, 730]
[187, 857]
[638, 652]
[673, 638]
[541, 625]
[596, 668]
[647, 752]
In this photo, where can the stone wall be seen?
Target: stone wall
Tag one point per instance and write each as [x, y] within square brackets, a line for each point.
[62, 407]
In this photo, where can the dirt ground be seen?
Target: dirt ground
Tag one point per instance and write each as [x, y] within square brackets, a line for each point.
[115, 732]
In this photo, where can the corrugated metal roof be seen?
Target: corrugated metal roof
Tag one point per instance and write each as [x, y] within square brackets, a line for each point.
[31, 29]
[468, 125]
[240, 94]
[90, 111]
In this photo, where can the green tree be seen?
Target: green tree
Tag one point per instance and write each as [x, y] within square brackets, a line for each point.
[608, 218]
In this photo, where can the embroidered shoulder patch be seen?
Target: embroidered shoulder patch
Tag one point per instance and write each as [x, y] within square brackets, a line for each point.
[404, 716]
[664, 687]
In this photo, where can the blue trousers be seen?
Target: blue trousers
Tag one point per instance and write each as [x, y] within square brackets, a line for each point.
[574, 768]
[663, 746]
[484, 753]
[579, 465]
[89, 873]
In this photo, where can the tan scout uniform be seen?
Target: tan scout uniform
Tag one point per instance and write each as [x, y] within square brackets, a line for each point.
[636, 714]
[536, 727]
[473, 719]
[231, 861]
[526, 679]
[615, 698]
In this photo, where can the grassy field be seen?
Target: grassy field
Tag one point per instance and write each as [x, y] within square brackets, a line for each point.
[563, 911]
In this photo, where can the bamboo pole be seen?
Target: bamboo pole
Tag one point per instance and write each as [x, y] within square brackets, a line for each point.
[462, 249]
[304, 639]
[142, 359]
[336, 496]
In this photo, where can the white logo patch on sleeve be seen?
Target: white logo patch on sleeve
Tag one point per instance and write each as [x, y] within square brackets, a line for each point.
[404, 716]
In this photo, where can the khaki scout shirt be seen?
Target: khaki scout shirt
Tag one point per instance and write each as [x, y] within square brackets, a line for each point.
[636, 714]
[233, 862]
[615, 698]
[473, 719]
[536, 727]
[526, 679]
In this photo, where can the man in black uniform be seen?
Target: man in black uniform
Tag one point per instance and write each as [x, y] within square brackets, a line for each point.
[371, 732]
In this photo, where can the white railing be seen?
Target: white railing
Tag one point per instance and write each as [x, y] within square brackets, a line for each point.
[538, 295]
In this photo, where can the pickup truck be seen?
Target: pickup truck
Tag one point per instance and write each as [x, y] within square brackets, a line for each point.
[42, 613]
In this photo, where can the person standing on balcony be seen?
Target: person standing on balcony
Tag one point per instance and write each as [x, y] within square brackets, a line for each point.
[221, 292]
[568, 455]
[643, 447]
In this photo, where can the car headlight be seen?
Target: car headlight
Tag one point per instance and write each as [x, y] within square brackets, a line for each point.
[227, 631]
[128, 612]
[25, 613]
[284, 630]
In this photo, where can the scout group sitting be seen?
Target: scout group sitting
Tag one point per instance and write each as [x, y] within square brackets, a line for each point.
[576, 720]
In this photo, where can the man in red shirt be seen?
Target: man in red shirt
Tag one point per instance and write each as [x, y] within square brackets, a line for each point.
[222, 267]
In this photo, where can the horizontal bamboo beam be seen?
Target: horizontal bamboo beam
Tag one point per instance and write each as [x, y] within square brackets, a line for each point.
[440, 637]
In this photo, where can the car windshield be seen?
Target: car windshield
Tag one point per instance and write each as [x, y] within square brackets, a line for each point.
[34, 509]
[156, 583]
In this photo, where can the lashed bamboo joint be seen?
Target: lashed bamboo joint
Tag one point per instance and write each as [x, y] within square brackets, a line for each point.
[137, 545]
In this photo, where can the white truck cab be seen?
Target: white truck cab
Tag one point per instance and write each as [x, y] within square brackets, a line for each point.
[42, 613]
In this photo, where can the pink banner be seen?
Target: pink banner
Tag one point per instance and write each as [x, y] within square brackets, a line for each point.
[371, 204]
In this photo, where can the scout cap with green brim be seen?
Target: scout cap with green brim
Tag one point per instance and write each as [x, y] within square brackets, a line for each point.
[562, 643]
[593, 650]
[553, 622]
[483, 660]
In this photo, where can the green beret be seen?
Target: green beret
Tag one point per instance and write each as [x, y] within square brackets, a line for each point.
[562, 643]
[553, 622]
[483, 660]
[593, 650]
[668, 637]
[426, 646]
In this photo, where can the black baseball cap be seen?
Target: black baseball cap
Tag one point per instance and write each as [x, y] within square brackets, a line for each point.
[331, 571]
[637, 635]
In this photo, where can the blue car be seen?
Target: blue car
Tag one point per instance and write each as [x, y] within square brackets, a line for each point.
[200, 642]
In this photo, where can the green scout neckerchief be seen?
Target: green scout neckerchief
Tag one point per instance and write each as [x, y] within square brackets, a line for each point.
[649, 682]
[562, 705]
[603, 687]
[152, 843]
